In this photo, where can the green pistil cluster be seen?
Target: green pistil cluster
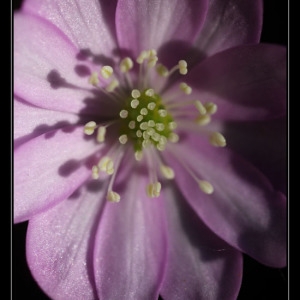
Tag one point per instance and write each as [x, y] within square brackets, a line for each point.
[145, 121]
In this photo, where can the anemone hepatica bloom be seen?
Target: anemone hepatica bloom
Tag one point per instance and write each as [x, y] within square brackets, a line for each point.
[149, 146]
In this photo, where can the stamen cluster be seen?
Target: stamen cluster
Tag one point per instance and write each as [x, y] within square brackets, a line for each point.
[147, 120]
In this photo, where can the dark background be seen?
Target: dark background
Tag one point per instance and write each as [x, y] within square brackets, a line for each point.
[259, 282]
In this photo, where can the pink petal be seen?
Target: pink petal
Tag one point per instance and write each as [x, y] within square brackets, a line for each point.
[130, 248]
[144, 24]
[199, 265]
[60, 246]
[48, 169]
[263, 144]
[45, 66]
[247, 82]
[84, 22]
[31, 121]
[244, 209]
[230, 23]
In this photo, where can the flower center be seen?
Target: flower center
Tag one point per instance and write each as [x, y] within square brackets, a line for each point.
[148, 119]
[145, 121]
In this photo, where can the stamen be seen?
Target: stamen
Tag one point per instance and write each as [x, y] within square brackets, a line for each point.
[106, 72]
[162, 70]
[173, 137]
[162, 112]
[126, 65]
[217, 139]
[131, 124]
[93, 79]
[90, 127]
[144, 111]
[124, 113]
[106, 165]
[139, 118]
[153, 189]
[143, 55]
[151, 106]
[123, 139]
[201, 108]
[113, 196]
[134, 103]
[95, 172]
[112, 85]
[167, 172]
[150, 92]
[138, 155]
[185, 88]
[182, 64]
[135, 93]
[211, 108]
[101, 134]
[205, 187]
[203, 120]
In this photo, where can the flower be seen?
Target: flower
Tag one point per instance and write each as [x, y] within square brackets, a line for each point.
[149, 146]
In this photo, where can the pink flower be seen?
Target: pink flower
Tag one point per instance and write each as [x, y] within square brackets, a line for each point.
[149, 146]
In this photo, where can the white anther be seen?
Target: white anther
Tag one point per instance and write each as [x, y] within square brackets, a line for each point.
[206, 187]
[106, 165]
[152, 52]
[200, 107]
[173, 137]
[152, 61]
[144, 126]
[203, 120]
[134, 103]
[123, 139]
[182, 64]
[126, 64]
[112, 85]
[143, 55]
[138, 155]
[146, 143]
[151, 105]
[160, 147]
[211, 108]
[162, 112]
[151, 123]
[149, 92]
[217, 139]
[93, 79]
[90, 127]
[113, 196]
[144, 111]
[162, 70]
[153, 189]
[160, 126]
[172, 125]
[101, 134]
[123, 113]
[139, 133]
[185, 88]
[155, 136]
[167, 172]
[150, 131]
[162, 140]
[139, 118]
[135, 93]
[95, 172]
[110, 167]
[131, 124]
[146, 136]
[106, 71]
